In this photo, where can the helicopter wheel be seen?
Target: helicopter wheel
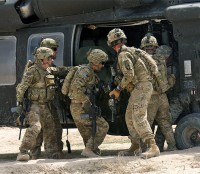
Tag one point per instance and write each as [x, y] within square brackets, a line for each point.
[187, 133]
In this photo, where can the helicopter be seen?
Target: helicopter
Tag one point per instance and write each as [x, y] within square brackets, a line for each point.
[80, 25]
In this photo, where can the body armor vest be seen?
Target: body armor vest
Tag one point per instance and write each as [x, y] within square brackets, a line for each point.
[43, 90]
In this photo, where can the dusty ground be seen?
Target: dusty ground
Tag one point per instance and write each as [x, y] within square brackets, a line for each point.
[177, 162]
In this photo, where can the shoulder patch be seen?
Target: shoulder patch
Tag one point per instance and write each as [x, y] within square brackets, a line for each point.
[84, 72]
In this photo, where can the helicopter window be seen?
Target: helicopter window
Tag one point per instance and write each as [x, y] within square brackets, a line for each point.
[7, 60]
[34, 40]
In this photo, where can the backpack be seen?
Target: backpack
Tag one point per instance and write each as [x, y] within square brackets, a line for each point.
[151, 66]
[149, 62]
[28, 65]
[68, 80]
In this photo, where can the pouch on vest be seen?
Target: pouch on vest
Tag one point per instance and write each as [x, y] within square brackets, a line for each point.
[50, 80]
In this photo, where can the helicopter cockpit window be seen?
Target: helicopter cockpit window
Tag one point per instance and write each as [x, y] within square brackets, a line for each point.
[7, 60]
[34, 40]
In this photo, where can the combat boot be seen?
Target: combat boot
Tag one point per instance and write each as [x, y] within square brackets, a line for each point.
[57, 155]
[134, 150]
[88, 153]
[23, 157]
[170, 141]
[153, 150]
[171, 147]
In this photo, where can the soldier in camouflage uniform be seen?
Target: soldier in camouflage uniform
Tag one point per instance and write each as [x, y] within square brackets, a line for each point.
[40, 87]
[82, 84]
[36, 150]
[136, 79]
[158, 108]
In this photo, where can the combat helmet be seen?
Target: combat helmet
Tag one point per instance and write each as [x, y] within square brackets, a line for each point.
[148, 41]
[49, 43]
[97, 56]
[43, 53]
[116, 36]
[164, 51]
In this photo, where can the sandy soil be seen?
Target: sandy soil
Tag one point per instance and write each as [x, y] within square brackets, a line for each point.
[176, 162]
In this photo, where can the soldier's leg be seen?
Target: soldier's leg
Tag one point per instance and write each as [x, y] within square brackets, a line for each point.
[31, 133]
[151, 114]
[152, 109]
[140, 98]
[133, 136]
[101, 131]
[76, 110]
[58, 127]
[36, 149]
[160, 139]
[84, 127]
[164, 122]
[49, 134]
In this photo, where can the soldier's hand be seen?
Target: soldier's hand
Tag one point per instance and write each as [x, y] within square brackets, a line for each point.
[171, 80]
[52, 70]
[115, 92]
[164, 88]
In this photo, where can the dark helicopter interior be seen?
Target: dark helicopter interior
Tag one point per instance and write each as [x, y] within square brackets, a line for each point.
[161, 29]
[97, 38]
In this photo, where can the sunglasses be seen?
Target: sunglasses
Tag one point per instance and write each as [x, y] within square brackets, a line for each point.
[54, 49]
[103, 63]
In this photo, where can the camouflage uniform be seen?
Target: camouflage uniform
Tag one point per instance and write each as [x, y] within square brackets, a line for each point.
[41, 91]
[158, 108]
[135, 74]
[82, 84]
[60, 72]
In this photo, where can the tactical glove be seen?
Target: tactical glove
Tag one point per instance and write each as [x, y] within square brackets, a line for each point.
[171, 80]
[52, 70]
[115, 92]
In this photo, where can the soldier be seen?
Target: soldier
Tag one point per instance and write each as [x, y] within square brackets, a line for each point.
[136, 79]
[82, 84]
[40, 87]
[158, 108]
[36, 150]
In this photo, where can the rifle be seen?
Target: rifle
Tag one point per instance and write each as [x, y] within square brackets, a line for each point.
[21, 120]
[62, 107]
[26, 104]
[93, 113]
[112, 101]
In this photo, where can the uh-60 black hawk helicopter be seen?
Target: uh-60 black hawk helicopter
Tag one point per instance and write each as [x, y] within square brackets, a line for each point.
[83, 24]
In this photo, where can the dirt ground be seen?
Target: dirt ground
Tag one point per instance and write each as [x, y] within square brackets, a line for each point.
[176, 162]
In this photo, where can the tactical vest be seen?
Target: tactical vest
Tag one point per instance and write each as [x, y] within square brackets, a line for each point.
[73, 94]
[43, 90]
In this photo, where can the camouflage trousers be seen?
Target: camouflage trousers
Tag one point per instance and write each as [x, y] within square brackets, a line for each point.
[85, 127]
[36, 149]
[40, 118]
[136, 112]
[158, 110]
